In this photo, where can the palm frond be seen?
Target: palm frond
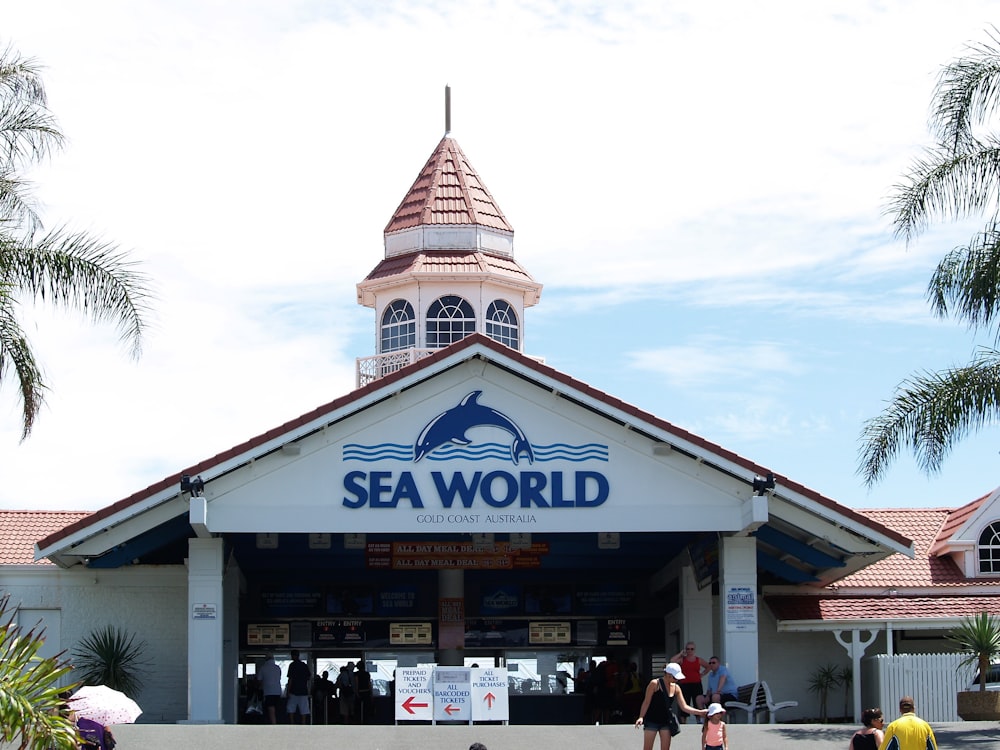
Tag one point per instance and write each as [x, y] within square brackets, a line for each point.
[966, 282]
[947, 185]
[16, 356]
[967, 94]
[929, 413]
[79, 272]
[17, 206]
[113, 657]
[28, 131]
[31, 705]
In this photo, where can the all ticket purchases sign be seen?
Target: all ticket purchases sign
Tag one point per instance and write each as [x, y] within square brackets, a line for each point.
[451, 694]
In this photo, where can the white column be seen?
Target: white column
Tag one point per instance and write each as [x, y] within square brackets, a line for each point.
[738, 607]
[696, 614]
[205, 630]
[856, 649]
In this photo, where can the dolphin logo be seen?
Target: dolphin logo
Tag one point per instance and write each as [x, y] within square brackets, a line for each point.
[450, 427]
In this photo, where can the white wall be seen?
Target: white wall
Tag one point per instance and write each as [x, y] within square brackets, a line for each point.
[149, 601]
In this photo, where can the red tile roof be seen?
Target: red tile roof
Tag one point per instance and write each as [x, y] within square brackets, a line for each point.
[522, 361]
[891, 578]
[881, 608]
[955, 520]
[448, 191]
[924, 526]
[20, 529]
[451, 262]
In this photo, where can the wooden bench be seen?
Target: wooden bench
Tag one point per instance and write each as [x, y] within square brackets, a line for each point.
[749, 698]
[756, 697]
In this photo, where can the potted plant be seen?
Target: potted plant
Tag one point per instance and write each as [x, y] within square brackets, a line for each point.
[978, 637]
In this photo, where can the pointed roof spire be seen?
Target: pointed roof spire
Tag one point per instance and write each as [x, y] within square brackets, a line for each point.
[448, 191]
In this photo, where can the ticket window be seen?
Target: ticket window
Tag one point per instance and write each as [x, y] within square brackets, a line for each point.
[543, 672]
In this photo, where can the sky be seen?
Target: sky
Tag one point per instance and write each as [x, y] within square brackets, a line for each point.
[701, 188]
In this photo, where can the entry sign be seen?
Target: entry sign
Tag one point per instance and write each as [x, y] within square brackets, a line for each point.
[489, 695]
[452, 694]
[414, 695]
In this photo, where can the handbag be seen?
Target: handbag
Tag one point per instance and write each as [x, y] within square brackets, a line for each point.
[672, 724]
[255, 706]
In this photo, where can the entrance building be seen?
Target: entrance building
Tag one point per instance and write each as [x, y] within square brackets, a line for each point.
[468, 504]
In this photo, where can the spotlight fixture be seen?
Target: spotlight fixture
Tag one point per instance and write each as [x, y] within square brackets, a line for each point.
[762, 484]
[195, 486]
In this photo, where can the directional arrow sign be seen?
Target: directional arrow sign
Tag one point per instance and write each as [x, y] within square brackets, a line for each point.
[409, 704]
[452, 694]
[414, 694]
[489, 694]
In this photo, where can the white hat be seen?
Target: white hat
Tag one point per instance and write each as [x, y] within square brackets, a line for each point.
[674, 670]
[715, 708]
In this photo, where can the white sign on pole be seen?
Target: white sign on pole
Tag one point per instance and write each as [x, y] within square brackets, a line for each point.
[489, 694]
[452, 694]
[414, 694]
[741, 609]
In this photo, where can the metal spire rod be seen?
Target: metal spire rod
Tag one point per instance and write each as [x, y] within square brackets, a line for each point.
[447, 109]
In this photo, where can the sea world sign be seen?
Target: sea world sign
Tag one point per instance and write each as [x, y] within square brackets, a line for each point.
[445, 477]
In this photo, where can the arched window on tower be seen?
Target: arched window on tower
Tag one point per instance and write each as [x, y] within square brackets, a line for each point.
[449, 319]
[501, 324]
[989, 549]
[399, 327]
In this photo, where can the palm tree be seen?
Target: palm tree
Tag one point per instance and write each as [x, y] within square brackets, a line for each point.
[71, 270]
[113, 657]
[978, 637]
[957, 178]
[31, 707]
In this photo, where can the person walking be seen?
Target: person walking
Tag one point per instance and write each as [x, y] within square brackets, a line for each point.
[694, 669]
[871, 735]
[298, 691]
[909, 731]
[656, 716]
[270, 686]
[713, 731]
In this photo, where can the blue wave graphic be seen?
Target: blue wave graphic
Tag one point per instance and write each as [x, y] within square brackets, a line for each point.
[478, 452]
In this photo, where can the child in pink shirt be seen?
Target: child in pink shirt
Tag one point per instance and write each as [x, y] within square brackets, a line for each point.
[713, 731]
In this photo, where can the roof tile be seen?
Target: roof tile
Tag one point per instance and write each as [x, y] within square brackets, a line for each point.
[20, 529]
[923, 526]
[449, 262]
[792, 607]
[448, 191]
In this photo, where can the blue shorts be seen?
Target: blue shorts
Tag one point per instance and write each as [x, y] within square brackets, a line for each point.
[652, 726]
[300, 702]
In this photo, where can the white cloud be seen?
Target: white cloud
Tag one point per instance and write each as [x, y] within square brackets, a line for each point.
[728, 158]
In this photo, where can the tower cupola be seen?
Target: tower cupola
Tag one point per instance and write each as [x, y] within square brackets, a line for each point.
[448, 270]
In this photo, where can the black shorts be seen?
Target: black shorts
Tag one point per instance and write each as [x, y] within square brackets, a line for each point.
[690, 691]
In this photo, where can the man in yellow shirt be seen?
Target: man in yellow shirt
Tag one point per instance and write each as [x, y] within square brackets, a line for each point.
[909, 731]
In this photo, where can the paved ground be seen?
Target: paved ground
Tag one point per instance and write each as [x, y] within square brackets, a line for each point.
[967, 735]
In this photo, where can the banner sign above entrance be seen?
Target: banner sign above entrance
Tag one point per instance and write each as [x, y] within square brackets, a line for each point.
[451, 555]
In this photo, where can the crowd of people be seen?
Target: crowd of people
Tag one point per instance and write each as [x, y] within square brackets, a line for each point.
[311, 699]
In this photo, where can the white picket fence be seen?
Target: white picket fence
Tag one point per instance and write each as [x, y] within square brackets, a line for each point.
[932, 679]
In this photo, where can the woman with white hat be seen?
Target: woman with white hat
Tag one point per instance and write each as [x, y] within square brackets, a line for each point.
[656, 717]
